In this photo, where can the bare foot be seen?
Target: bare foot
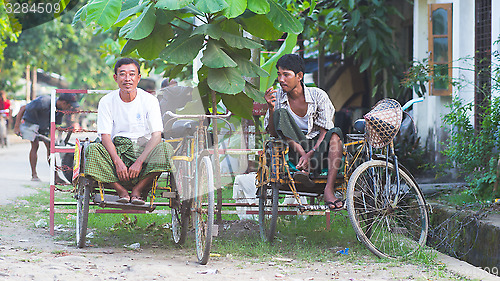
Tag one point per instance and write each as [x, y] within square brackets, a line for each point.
[35, 178]
[331, 200]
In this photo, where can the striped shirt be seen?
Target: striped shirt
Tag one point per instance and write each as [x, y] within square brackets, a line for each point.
[319, 109]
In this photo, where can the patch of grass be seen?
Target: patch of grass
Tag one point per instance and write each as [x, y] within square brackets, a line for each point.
[150, 230]
[465, 199]
[459, 197]
[298, 238]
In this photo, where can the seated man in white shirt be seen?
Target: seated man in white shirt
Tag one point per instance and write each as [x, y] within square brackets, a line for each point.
[131, 153]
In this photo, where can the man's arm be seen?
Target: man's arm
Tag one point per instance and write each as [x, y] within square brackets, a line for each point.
[19, 117]
[321, 137]
[136, 168]
[121, 169]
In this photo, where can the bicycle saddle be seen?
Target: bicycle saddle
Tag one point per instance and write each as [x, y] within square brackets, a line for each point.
[182, 128]
[359, 126]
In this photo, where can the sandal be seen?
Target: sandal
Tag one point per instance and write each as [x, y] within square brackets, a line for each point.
[137, 200]
[303, 178]
[333, 205]
[123, 200]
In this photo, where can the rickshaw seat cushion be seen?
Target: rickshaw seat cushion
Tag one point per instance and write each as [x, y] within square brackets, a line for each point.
[324, 172]
[182, 128]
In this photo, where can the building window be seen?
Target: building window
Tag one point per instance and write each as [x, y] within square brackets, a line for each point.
[440, 44]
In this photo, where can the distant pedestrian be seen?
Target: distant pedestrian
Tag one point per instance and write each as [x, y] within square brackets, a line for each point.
[4, 117]
[33, 124]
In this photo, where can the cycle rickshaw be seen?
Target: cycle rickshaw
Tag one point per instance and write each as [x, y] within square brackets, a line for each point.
[385, 205]
[189, 191]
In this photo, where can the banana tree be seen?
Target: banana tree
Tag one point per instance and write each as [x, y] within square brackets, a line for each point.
[177, 30]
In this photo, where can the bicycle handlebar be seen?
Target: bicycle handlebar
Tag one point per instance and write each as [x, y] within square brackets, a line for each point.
[411, 102]
[171, 114]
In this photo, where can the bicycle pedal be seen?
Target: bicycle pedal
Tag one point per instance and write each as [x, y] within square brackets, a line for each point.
[314, 208]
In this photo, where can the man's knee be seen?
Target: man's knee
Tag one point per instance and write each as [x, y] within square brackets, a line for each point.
[335, 140]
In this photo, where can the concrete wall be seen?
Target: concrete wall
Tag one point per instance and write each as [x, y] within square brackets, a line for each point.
[466, 236]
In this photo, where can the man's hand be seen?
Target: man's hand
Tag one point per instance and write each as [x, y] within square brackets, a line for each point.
[303, 163]
[270, 97]
[121, 170]
[135, 169]
[17, 131]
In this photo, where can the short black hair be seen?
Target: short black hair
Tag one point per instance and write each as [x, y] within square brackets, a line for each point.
[292, 62]
[124, 61]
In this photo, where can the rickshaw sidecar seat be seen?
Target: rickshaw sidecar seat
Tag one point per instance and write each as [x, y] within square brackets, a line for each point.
[182, 128]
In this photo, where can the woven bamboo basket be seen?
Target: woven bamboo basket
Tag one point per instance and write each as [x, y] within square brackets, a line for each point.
[383, 122]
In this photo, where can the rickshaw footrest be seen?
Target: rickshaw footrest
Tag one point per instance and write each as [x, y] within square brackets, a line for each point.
[110, 202]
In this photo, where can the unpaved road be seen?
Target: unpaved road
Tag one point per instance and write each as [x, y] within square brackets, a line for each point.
[28, 253]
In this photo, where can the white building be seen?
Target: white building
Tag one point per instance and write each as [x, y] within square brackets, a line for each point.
[460, 33]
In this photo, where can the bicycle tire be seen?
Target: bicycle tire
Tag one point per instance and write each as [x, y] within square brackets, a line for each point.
[181, 211]
[82, 212]
[203, 209]
[391, 223]
[268, 211]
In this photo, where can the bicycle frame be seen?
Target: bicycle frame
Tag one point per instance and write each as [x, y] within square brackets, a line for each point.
[195, 143]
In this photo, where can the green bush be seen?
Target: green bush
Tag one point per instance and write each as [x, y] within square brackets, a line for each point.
[474, 154]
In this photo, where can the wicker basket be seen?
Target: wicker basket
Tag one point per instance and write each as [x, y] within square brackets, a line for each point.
[383, 122]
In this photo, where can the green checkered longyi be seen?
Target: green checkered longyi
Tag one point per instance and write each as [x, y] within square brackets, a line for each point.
[100, 167]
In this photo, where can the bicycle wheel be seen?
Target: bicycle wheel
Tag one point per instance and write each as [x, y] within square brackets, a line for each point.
[180, 222]
[82, 211]
[203, 209]
[181, 209]
[268, 211]
[392, 222]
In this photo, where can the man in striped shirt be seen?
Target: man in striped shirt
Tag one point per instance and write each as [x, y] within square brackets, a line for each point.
[303, 116]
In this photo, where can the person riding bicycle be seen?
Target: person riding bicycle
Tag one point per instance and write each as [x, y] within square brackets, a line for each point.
[303, 116]
[131, 153]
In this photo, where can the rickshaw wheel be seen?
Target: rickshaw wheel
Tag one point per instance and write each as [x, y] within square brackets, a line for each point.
[82, 211]
[268, 211]
[180, 222]
[392, 222]
[203, 209]
[181, 210]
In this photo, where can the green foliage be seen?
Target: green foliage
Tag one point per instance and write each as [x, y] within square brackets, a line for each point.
[74, 52]
[191, 26]
[7, 32]
[423, 72]
[417, 77]
[358, 28]
[269, 66]
[474, 154]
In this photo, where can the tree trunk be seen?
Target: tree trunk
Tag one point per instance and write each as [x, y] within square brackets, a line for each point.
[34, 79]
[216, 160]
[28, 84]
